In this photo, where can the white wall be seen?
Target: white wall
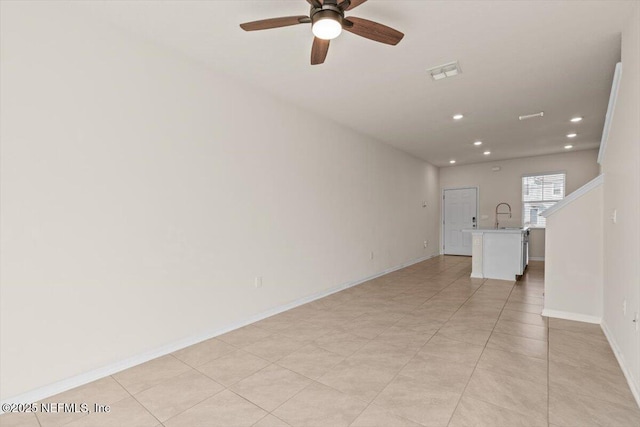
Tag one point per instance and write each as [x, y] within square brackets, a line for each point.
[573, 260]
[506, 185]
[142, 193]
[621, 166]
[434, 208]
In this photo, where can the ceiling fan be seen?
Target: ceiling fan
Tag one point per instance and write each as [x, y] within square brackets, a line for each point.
[327, 22]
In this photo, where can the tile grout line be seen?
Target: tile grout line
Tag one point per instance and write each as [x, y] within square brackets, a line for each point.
[271, 414]
[587, 395]
[37, 419]
[368, 404]
[194, 368]
[364, 401]
[134, 398]
[196, 404]
[418, 350]
[508, 298]
[167, 379]
[480, 357]
[314, 381]
[112, 403]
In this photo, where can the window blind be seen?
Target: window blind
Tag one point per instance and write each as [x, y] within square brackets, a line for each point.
[540, 192]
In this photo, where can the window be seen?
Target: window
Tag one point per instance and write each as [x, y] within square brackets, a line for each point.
[539, 193]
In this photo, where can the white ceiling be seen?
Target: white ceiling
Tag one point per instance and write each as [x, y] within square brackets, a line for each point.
[517, 57]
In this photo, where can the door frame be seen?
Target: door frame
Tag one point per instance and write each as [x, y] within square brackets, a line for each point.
[466, 187]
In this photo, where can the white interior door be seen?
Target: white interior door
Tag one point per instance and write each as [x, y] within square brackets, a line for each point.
[459, 212]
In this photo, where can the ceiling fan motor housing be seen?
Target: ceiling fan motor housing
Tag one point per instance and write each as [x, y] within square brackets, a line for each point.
[327, 12]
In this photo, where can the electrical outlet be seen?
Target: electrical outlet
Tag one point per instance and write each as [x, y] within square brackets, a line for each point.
[371, 256]
[624, 308]
[426, 243]
[258, 282]
[614, 216]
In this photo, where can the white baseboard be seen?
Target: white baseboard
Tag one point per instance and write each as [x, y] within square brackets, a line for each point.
[633, 385]
[536, 258]
[571, 316]
[96, 374]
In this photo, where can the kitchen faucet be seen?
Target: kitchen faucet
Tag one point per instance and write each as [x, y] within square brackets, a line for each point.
[502, 213]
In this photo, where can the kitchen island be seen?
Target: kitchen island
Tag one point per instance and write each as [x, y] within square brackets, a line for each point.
[499, 253]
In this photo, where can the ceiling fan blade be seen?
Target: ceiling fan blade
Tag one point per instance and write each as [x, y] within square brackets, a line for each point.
[372, 30]
[355, 3]
[319, 51]
[266, 24]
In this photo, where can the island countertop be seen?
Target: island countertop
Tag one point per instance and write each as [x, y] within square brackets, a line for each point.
[496, 230]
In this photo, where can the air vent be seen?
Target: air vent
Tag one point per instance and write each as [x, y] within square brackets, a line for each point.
[444, 71]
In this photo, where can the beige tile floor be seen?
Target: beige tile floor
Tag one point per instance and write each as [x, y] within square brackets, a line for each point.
[423, 346]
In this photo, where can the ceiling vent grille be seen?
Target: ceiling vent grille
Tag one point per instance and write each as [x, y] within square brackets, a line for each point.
[444, 71]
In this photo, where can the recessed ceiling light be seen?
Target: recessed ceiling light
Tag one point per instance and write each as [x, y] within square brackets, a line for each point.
[572, 135]
[477, 143]
[486, 153]
[576, 119]
[452, 161]
[457, 116]
[568, 147]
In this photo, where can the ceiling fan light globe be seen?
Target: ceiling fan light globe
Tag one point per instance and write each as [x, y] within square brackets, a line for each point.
[326, 29]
